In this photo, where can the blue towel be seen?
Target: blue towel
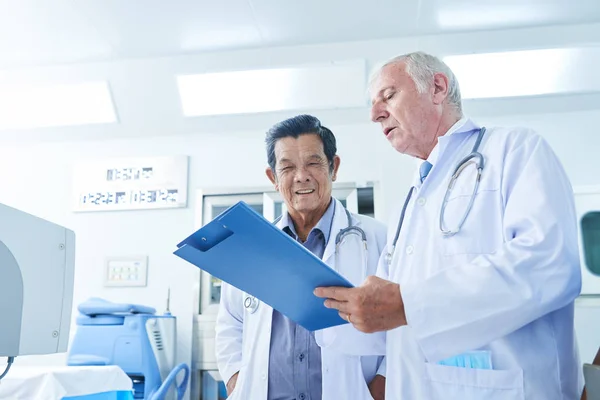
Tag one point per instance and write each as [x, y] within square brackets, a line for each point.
[114, 395]
[481, 359]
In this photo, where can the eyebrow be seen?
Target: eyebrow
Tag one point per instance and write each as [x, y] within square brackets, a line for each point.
[312, 156]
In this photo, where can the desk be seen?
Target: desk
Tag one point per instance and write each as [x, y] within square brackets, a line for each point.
[62, 382]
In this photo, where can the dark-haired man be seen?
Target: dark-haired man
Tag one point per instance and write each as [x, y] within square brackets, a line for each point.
[263, 355]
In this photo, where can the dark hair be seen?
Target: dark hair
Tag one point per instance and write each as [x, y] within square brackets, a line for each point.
[296, 126]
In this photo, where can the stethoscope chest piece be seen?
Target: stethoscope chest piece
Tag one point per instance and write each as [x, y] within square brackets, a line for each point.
[251, 304]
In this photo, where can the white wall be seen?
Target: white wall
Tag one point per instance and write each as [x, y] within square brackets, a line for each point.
[574, 136]
[37, 179]
[36, 166]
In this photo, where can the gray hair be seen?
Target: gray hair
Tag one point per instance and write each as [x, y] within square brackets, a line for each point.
[421, 67]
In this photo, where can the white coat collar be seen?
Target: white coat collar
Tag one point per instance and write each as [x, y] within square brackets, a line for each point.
[340, 221]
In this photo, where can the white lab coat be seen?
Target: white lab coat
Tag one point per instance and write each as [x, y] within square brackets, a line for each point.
[506, 283]
[243, 338]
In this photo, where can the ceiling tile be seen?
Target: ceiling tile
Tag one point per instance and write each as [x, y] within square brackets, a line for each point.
[38, 32]
[41, 32]
[467, 15]
[315, 21]
[155, 27]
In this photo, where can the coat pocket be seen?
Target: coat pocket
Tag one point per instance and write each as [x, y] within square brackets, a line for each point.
[446, 382]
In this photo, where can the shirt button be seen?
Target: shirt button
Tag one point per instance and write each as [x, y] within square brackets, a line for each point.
[302, 396]
[421, 201]
[263, 376]
[301, 357]
[409, 249]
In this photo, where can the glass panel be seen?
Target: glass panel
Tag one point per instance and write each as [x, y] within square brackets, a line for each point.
[590, 232]
[366, 202]
[347, 196]
[257, 207]
[215, 290]
[210, 292]
[216, 210]
[211, 388]
[278, 209]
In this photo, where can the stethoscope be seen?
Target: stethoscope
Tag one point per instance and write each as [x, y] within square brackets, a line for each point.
[474, 157]
[251, 303]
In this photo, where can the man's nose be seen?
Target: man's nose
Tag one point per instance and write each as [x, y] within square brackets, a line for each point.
[378, 113]
[302, 175]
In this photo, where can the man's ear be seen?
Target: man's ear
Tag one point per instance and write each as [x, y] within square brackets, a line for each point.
[272, 177]
[440, 88]
[336, 166]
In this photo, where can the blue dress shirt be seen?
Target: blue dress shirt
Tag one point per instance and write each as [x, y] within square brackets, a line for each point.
[294, 356]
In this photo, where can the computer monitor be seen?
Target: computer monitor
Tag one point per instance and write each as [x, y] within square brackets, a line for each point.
[37, 260]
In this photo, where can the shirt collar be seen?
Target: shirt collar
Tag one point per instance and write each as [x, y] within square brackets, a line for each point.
[465, 124]
[434, 155]
[324, 224]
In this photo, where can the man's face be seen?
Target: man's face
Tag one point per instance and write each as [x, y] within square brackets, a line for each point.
[409, 119]
[302, 174]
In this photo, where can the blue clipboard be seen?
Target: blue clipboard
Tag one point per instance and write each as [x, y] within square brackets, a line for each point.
[242, 248]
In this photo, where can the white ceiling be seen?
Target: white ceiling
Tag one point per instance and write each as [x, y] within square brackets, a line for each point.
[139, 47]
[42, 32]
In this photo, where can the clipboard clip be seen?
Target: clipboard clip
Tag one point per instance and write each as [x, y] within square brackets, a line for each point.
[208, 237]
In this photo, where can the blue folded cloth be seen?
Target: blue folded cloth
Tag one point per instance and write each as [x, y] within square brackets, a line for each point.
[481, 359]
[98, 306]
[115, 395]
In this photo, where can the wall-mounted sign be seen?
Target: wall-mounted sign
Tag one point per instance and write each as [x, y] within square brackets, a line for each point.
[130, 183]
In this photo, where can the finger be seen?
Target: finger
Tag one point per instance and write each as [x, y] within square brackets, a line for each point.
[346, 317]
[341, 306]
[337, 293]
[355, 319]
